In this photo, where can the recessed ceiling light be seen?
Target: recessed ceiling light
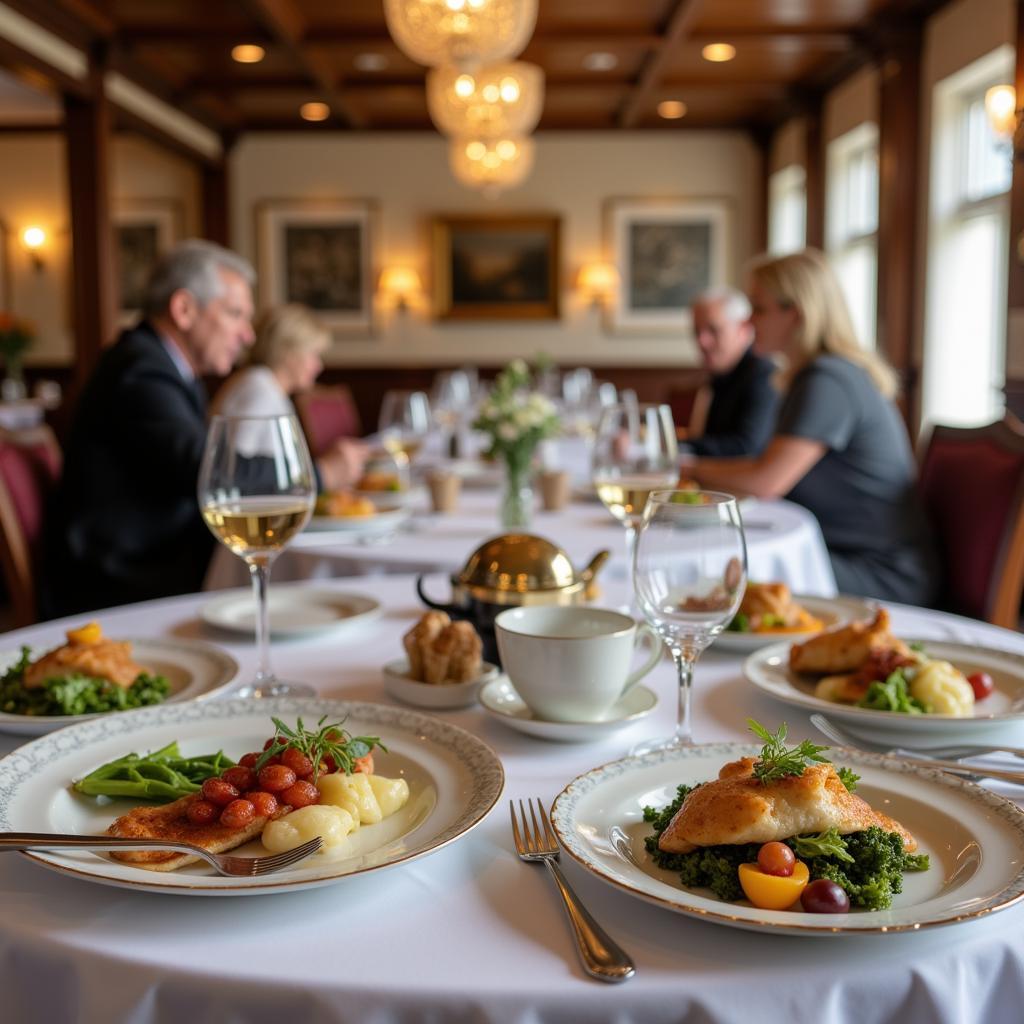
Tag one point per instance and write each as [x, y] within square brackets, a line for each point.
[671, 110]
[370, 61]
[315, 111]
[718, 52]
[248, 53]
[600, 61]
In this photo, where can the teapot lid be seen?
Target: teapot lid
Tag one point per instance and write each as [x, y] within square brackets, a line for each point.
[514, 564]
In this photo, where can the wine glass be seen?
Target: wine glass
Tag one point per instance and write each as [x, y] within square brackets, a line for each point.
[689, 575]
[635, 453]
[256, 491]
[451, 400]
[405, 421]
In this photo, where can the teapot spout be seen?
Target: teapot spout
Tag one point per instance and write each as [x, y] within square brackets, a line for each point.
[594, 566]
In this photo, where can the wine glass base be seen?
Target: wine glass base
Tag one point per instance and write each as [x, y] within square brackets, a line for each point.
[261, 688]
[664, 743]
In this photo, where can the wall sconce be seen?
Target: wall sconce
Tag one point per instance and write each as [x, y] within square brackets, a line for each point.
[399, 286]
[597, 282]
[33, 239]
[1001, 108]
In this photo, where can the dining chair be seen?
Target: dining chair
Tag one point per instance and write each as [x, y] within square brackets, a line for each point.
[30, 466]
[972, 485]
[326, 413]
[689, 407]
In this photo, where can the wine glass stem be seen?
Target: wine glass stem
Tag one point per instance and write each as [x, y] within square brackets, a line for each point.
[260, 572]
[631, 605]
[684, 725]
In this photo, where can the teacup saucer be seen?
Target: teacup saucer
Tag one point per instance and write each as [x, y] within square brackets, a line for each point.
[500, 699]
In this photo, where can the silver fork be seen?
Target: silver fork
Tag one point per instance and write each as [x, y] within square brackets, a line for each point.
[225, 863]
[601, 955]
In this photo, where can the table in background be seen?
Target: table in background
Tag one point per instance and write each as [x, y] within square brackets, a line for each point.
[470, 933]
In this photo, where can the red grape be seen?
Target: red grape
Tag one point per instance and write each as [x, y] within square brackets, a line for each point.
[265, 803]
[276, 777]
[297, 761]
[270, 743]
[249, 760]
[238, 814]
[202, 812]
[776, 859]
[240, 777]
[824, 896]
[219, 792]
[302, 794]
[981, 684]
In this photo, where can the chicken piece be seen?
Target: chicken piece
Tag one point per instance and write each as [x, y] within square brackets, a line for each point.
[171, 822]
[763, 599]
[846, 648]
[850, 687]
[87, 653]
[466, 656]
[738, 808]
[420, 637]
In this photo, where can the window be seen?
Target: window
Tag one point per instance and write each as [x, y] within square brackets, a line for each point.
[851, 222]
[787, 211]
[965, 319]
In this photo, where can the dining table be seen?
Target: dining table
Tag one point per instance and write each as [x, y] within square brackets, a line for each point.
[470, 932]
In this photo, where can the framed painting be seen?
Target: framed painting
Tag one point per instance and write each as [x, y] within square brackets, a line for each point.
[667, 252]
[496, 268]
[143, 230]
[319, 254]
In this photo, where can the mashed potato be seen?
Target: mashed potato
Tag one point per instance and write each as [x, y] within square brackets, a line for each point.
[943, 689]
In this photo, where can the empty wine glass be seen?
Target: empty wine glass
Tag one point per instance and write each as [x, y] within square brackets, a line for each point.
[451, 401]
[689, 575]
[256, 492]
[405, 422]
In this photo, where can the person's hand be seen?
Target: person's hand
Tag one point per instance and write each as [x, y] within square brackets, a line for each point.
[342, 464]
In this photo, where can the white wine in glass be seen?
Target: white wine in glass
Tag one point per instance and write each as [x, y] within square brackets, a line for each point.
[256, 492]
[405, 422]
[689, 576]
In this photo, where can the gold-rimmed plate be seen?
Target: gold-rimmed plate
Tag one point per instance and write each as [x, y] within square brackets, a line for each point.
[454, 780]
[974, 838]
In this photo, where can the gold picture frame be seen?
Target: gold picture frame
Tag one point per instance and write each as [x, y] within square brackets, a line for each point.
[144, 229]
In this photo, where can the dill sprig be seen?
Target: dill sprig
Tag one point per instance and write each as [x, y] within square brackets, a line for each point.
[327, 741]
[777, 761]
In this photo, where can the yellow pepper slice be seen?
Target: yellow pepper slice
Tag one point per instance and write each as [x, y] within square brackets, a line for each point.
[90, 633]
[773, 892]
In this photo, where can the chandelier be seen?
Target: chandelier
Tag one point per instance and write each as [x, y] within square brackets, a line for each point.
[491, 164]
[494, 101]
[462, 32]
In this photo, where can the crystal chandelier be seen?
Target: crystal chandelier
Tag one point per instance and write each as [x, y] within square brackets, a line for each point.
[494, 101]
[491, 164]
[461, 32]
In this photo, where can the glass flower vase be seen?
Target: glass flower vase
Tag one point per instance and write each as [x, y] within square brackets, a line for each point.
[517, 501]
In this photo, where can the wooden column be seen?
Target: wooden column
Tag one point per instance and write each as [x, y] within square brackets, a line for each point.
[216, 210]
[815, 176]
[898, 169]
[1015, 273]
[88, 132]
[762, 136]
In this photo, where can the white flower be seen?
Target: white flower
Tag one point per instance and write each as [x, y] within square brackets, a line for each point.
[508, 432]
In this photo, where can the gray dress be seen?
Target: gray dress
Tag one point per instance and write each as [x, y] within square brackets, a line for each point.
[862, 490]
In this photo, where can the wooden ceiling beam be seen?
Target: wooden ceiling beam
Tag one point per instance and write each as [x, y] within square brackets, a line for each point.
[676, 30]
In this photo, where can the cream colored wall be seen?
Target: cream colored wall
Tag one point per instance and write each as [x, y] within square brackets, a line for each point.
[789, 145]
[574, 175]
[851, 103]
[143, 171]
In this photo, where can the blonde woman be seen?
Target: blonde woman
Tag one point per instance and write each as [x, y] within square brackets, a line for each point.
[840, 446]
[287, 357]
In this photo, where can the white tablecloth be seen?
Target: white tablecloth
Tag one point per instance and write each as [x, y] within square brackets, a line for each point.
[470, 933]
[784, 543]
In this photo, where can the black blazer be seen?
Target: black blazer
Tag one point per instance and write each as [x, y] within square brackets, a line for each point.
[126, 524]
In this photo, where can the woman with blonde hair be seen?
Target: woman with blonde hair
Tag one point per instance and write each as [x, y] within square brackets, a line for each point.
[840, 447]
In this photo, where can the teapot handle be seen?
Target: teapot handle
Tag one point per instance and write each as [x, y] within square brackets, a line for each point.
[429, 602]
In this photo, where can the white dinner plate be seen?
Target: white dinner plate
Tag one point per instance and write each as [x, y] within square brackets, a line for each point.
[454, 780]
[194, 670]
[385, 520]
[973, 837]
[833, 611]
[500, 699]
[394, 499]
[295, 611]
[768, 669]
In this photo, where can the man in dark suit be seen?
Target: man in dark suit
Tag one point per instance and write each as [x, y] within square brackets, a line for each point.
[744, 403]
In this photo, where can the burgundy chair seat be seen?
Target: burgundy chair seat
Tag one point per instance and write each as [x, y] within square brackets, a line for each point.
[327, 413]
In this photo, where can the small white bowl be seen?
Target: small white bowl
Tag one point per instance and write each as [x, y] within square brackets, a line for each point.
[434, 695]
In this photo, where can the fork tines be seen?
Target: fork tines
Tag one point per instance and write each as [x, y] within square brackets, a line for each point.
[265, 865]
[541, 840]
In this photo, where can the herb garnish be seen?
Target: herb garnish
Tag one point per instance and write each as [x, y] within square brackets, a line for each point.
[328, 743]
[776, 760]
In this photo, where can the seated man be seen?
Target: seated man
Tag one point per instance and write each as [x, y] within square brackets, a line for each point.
[126, 525]
[741, 417]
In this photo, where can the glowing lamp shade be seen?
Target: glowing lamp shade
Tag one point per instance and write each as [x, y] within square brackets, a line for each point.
[33, 238]
[399, 284]
[248, 53]
[463, 32]
[491, 164]
[1001, 108]
[495, 101]
[597, 281]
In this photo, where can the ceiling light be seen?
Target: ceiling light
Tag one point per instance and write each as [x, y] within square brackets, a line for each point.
[718, 52]
[248, 53]
[600, 61]
[491, 165]
[370, 62]
[315, 111]
[672, 110]
[498, 101]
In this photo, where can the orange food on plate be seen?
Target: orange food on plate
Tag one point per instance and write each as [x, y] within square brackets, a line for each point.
[344, 503]
[88, 652]
[376, 480]
[770, 608]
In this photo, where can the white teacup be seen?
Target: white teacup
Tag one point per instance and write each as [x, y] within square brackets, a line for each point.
[572, 664]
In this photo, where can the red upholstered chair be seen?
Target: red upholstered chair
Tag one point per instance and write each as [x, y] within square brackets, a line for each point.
[30, 465]
[327, 413]
[972, 483]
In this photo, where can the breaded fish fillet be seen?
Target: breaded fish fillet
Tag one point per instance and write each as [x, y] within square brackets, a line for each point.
[847, 648]
[107, 659]
[737, 808]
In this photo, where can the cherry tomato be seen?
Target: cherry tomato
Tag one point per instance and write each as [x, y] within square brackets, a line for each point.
[825, 897]
[238, 814]
[364, 764]
[328, 765]
[270, 743]
[301, 794]
[776, 859]
[981, 684]
[276, 777]
[202, 812]
[219, 792]
[249, 760]
[240, 777]
[264, 802]
[297, 761]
